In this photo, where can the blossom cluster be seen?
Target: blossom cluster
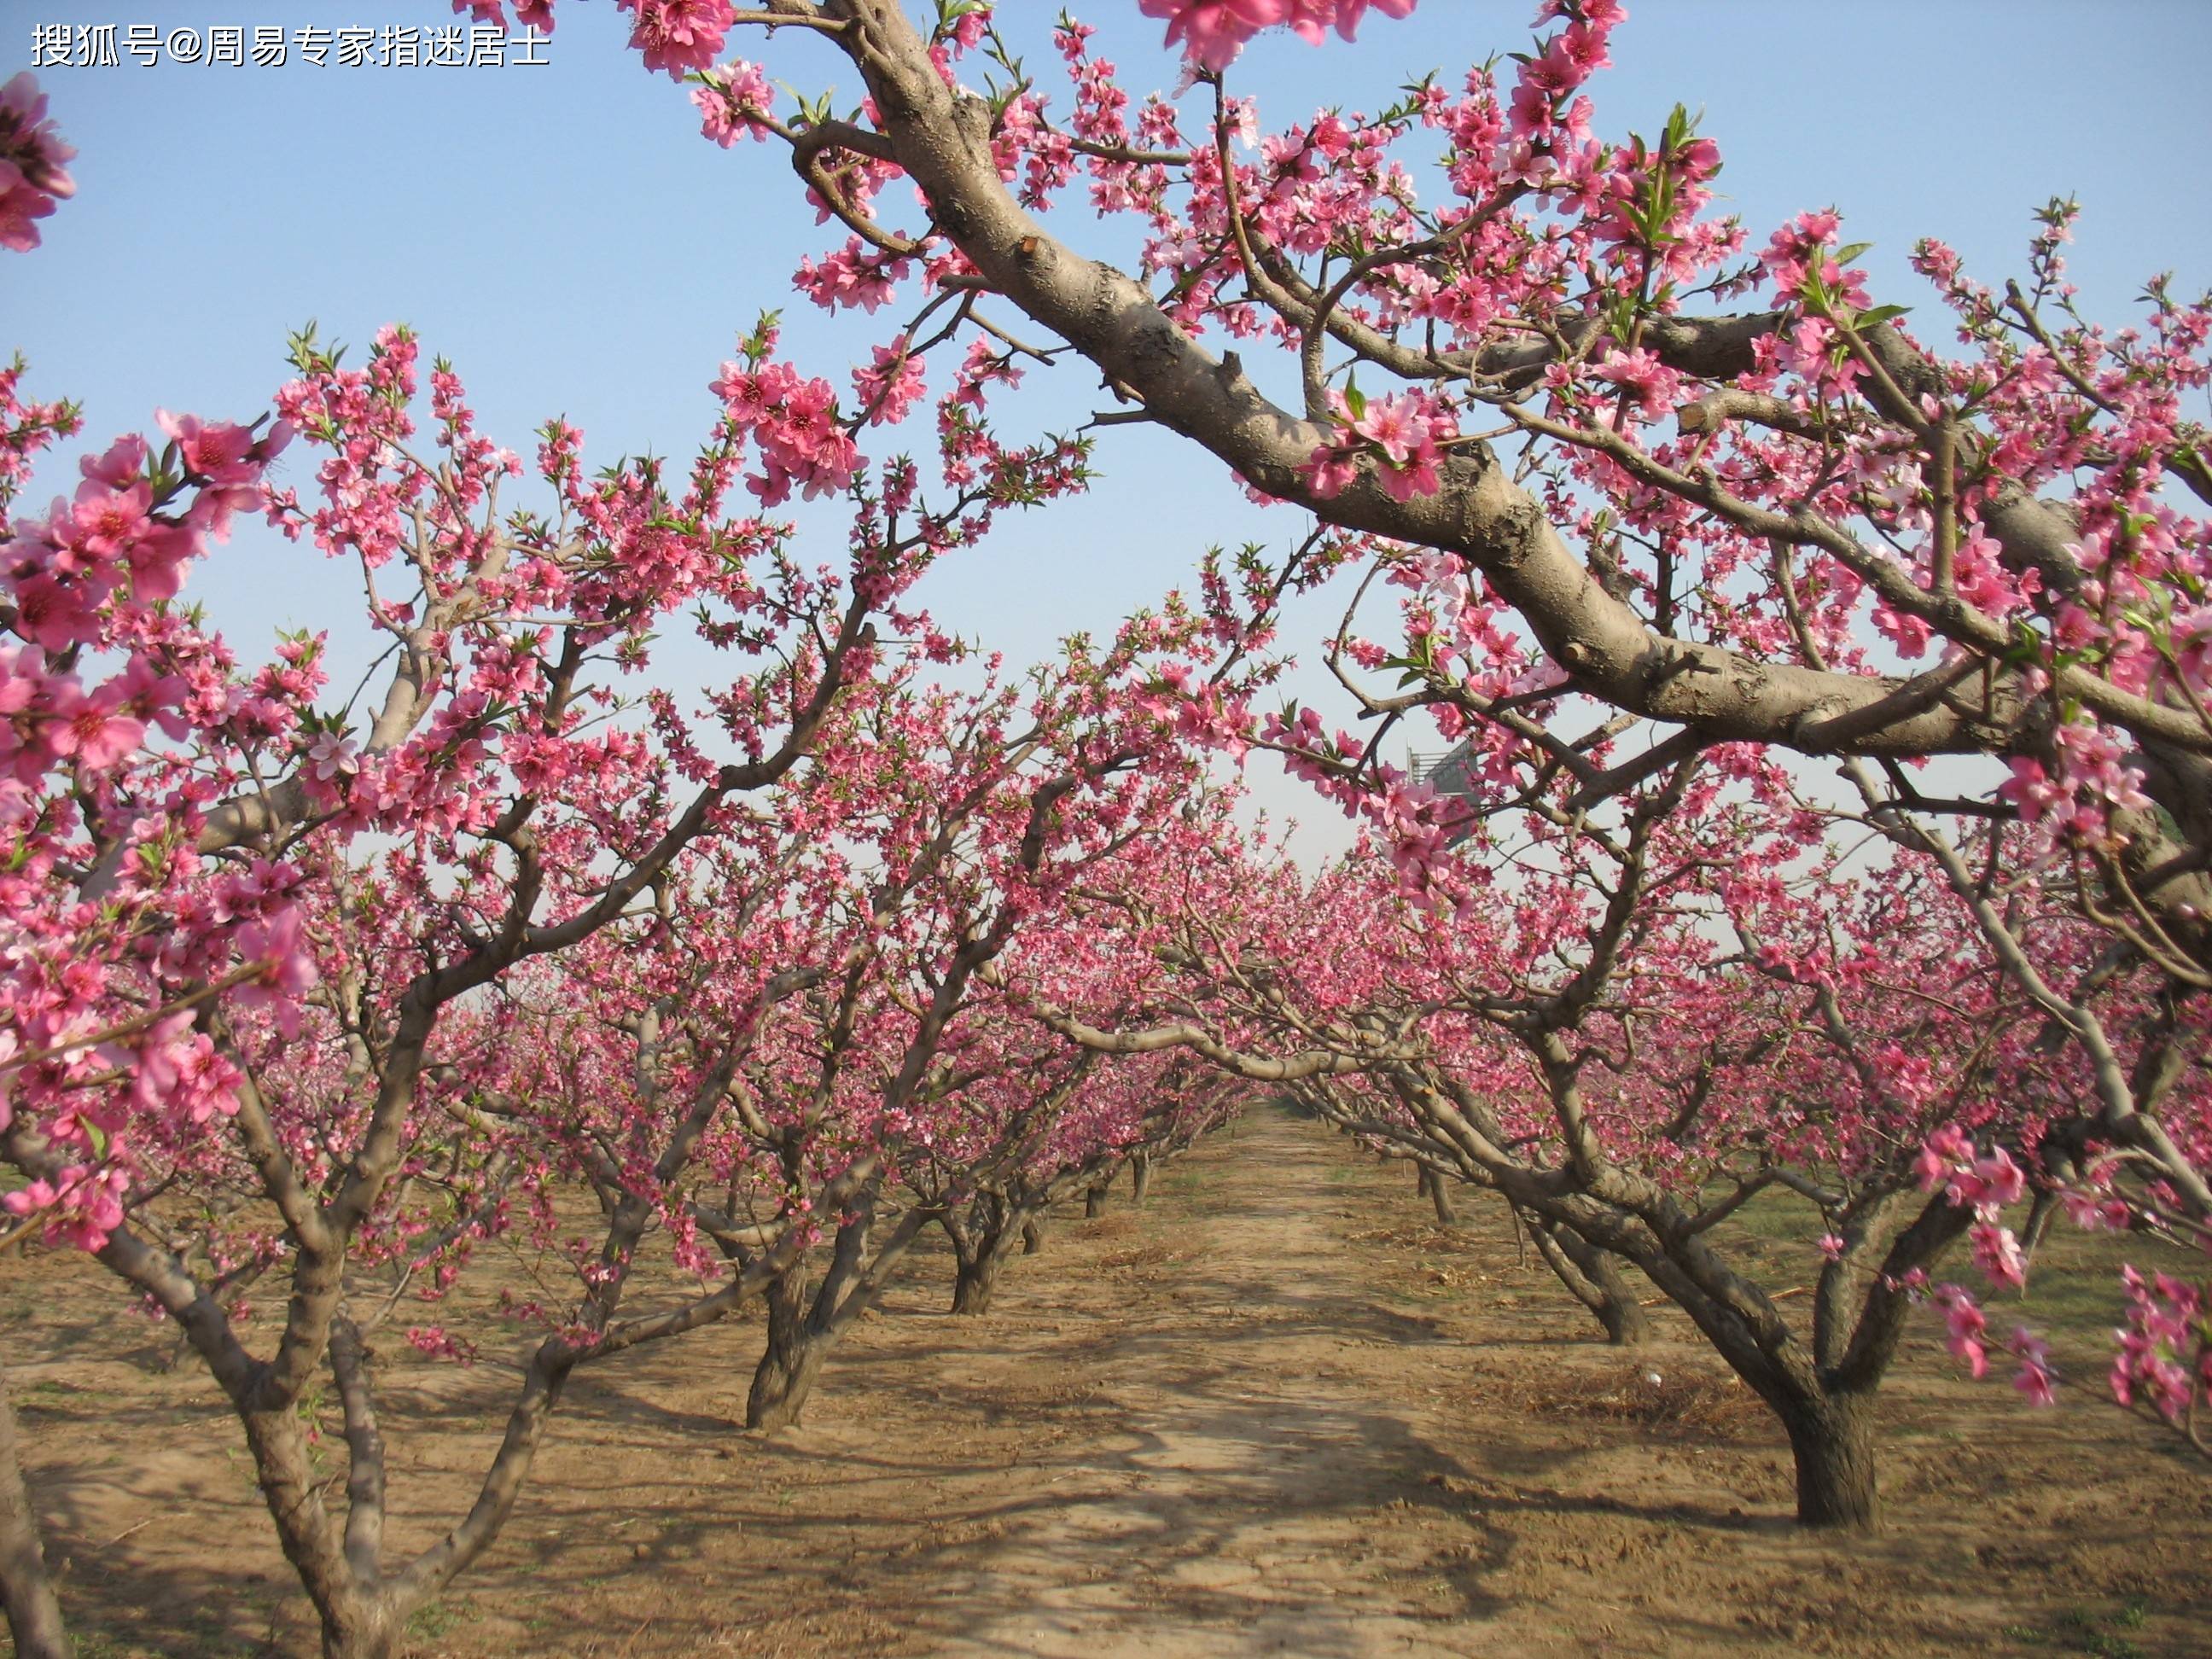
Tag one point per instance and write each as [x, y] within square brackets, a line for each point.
[2165, 1355]
[1212, 31]
[101, 664]
[33, 163]
[792, 421]
[1403, 433]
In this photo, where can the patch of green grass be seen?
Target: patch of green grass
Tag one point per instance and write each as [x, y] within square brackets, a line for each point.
[1403, 1296]
[434, 1619]
[48, 1395]
[2087, 1629]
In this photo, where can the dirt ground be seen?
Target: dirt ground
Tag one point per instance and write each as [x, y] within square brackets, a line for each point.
[1274, 1412]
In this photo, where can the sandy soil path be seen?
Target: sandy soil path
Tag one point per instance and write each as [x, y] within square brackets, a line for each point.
[1230, 1519]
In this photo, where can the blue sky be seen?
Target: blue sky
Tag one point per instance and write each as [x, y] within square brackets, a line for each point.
[565, 237]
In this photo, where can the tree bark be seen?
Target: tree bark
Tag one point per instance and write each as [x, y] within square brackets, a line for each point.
[801, 1332]
[1833, 1442]
[1434, 1188]
[971, 1287]
[1033, 1235]
[974, 1279]
[1094, 1199]
[791, 1361]
[357, 1622]
[373, 1632]
[981, 1246]
[2037, 1228]
[1140, 1176]
[783, 1381]
[1592, 1280]
[34, 1614]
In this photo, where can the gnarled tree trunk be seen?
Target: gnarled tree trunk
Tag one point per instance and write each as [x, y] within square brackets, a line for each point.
[369, 1629]
[358, 1621]
[791, 1361]
[800, 1333]
[1592, 1280]
[980, 1245]
[35, 1615]
[1831, 1441]
[2037, 1227]
[1434, 1188]
[1140, 1176]
[976, 1279]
